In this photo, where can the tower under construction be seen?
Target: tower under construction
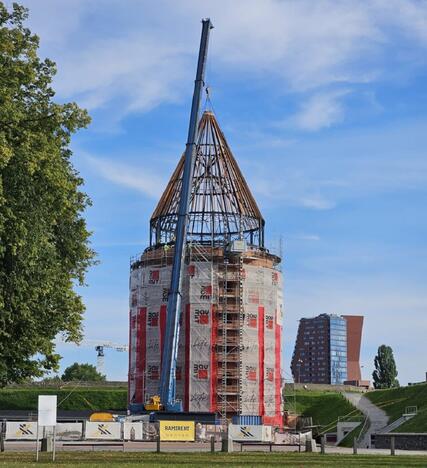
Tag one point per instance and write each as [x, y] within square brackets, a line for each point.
[229, 344]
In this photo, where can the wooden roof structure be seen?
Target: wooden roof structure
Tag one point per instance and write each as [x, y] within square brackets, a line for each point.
[222, 207]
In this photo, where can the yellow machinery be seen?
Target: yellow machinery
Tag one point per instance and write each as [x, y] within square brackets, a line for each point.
[154, 404]
[101, 417]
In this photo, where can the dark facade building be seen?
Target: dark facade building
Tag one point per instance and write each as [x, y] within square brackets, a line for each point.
[327, 350]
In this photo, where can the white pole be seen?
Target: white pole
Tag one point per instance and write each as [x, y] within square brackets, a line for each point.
[54, 443]
[37, 442]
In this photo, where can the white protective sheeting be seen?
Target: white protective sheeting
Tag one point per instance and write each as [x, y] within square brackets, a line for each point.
[201, 297]
[197, 383]
[250, 433]
[103, 430]
[17, 430]
[133, 431]
[69, 431]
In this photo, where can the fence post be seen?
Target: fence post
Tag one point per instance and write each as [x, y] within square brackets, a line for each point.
[224, 442]
[392, 445]
[158, 443]
[212, 443]
[354, 446]
[322, 444]
[2, 434]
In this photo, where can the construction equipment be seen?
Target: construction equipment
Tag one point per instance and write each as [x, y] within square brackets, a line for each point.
[154, 404]
[167, 387]
[99, 346]
[101, 417]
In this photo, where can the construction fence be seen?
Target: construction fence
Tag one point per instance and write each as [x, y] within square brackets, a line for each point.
[114, 431]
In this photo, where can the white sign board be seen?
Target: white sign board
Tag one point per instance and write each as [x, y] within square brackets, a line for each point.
[21, 430]
[250, 433]
[103, 430]
[47, 410]
[132, 430]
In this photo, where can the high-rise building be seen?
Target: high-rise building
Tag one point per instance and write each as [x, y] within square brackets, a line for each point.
[327, 349]
[229, 349]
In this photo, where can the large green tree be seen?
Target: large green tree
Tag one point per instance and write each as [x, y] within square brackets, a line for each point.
[44, 243]
[385, 373]
[82, 372]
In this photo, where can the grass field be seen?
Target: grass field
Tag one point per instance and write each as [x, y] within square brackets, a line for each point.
[324, 407]
[394, 401]
[69, 398]
[88, 459]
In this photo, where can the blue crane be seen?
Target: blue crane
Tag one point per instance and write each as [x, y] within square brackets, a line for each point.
[167, 387]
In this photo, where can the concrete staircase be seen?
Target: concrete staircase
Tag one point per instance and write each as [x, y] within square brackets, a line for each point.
[376, 418]
[395, 424]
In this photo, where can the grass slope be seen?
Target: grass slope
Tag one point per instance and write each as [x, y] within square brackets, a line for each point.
[324, 407]
[69, 398]
[349, 438]
[394, 401]
[253, 459]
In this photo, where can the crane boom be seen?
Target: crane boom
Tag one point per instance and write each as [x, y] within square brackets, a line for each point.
[167, 388]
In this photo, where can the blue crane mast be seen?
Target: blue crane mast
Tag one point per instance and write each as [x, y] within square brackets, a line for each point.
[167, 386]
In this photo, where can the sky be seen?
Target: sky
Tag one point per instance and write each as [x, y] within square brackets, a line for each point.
[324, 105]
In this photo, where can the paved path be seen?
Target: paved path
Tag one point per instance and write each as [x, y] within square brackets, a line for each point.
[377, 417]
[197, 447]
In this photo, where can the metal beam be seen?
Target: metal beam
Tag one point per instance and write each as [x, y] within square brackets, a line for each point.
[167, 388]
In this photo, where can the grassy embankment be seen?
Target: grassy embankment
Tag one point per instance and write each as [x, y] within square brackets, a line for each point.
[324, 408]
[394, 402]
[70, 397]
[254, 459]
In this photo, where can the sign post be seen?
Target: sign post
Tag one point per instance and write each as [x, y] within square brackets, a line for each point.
[46, 418]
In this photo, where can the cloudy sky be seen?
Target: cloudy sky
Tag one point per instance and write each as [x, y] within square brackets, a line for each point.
[324, 106]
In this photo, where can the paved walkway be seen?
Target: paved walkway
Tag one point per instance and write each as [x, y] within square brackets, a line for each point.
[377, 417]
[194, 447]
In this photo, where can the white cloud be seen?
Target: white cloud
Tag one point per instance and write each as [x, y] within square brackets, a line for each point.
[321, 110]
[287, 186]
[136, 178]
[328, 170]
[136, 57]
[308, 237]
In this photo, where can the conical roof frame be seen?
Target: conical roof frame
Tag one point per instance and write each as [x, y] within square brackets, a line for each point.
[221, 205]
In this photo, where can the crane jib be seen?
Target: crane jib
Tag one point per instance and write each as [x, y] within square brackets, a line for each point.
[167, 387]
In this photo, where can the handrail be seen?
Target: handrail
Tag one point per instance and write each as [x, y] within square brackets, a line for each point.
[363, 431]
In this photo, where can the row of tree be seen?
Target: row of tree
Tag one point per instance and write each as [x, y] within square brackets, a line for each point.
[384, 375]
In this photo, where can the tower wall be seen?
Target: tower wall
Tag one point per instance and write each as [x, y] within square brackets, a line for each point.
[230, 334]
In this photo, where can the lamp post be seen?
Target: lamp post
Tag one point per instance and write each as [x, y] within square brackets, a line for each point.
[299, 362]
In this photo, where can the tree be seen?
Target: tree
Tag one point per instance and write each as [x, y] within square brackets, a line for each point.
[385, 373]
[44, 242]
[82, 372]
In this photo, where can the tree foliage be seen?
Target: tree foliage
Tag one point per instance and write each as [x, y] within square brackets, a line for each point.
[82, 372]
[44, 242]
[385, 373]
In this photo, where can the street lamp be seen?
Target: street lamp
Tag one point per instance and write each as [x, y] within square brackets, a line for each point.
[299, 362]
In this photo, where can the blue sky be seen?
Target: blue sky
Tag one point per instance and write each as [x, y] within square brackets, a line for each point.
[324, 106]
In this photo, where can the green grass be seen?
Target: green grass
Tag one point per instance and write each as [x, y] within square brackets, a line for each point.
[69, 398]
[349, 438]
[394, 401]
[253, 459]
[324, 407]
